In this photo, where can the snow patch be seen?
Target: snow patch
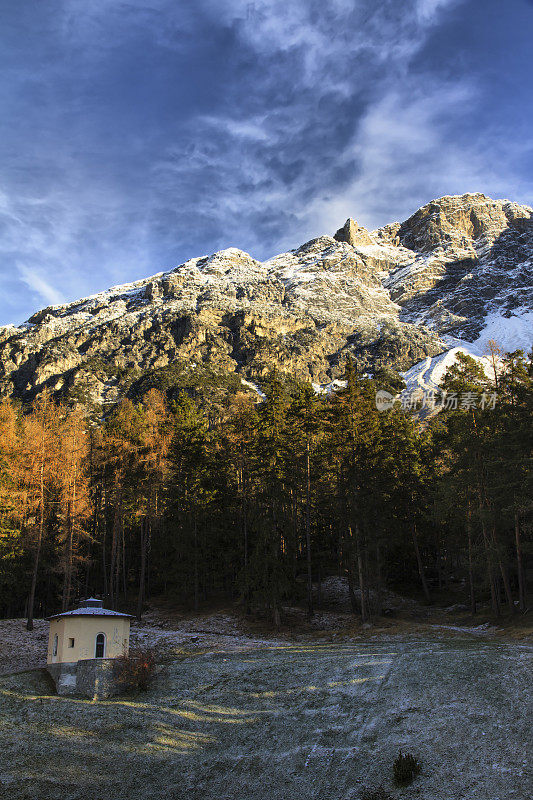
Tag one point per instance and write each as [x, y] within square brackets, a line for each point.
[328, 388]
[255, 387]
[509, 333]
[428, 374]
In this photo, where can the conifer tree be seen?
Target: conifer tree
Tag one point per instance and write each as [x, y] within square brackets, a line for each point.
[269, 576]
[304, 428]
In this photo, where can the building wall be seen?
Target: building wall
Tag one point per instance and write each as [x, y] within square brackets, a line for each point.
[91, 677]
[83, 630]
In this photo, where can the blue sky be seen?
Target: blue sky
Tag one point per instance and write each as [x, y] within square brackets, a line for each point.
[135, 135]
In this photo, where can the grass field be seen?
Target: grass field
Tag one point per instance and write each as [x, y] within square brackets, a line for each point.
[287, 721]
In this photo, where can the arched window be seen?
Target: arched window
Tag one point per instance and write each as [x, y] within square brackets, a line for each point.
[99, 650]
[54, 648]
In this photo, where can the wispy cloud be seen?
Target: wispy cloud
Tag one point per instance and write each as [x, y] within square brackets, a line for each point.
[406, 155]
[430, 10]
[40, 285]
[135, 135]
[326, 82]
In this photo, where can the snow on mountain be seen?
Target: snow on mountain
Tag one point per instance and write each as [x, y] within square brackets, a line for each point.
[455, 274]
[509, 333]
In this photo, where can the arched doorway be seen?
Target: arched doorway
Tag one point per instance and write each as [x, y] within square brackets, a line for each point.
[99, 649]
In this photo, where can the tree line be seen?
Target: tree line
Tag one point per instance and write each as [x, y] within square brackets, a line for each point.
[261, 501]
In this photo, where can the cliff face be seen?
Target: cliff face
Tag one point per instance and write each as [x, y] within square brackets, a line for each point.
[390, 297]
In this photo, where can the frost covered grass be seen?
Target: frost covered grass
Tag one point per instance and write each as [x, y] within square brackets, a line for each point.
[283, 720]
[21, 649]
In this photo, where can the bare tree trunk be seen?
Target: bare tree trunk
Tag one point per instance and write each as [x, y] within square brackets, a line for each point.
[421, 573]
[495, 352]
[379, 582]
[145, 534]
[116, 577]
[67, 578]
[351, 589]
[340, 525]
[68, 563]
[519, 565]
[293, 549]
[31, 598]
[361, 575]
[93, 537]
[503, 570]
[115, 549]
[245, 535]
[112, 564]
[124, 587]
[104, 546]
[196, 585]
[492, 581]
[276, 604]
[319, 586]
[87, 572]
[308, 532]
[348, 552]
[340, 553]
[246, 568]
[473, 608]
[507, 586]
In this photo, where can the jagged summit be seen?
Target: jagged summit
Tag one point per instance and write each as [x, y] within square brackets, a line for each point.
[465, 222]
[354, 234]
[390, 297]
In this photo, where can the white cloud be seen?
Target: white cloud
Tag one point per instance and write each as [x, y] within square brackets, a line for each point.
[407, 156]
[383, 31]
[346, 48]
[70, 241]
[406, 148]
[253, 128]
[429, 10]
[40, 285]
[323, 118]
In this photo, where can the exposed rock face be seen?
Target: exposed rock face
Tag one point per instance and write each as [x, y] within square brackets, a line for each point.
[387, 297]
[472, 255]
[353, 234]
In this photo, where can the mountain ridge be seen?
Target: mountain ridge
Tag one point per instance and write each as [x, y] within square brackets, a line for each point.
[393, 297]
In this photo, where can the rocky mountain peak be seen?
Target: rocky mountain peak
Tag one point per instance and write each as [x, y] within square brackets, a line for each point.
[354, 234]
[461, 222]
[458, 270]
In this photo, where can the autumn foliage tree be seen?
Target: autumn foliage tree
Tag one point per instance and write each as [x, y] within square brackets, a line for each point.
[258, 502]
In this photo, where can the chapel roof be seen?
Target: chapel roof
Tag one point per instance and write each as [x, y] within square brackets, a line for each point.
[92, 607]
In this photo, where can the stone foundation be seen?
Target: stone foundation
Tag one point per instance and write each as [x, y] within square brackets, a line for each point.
[92, 678]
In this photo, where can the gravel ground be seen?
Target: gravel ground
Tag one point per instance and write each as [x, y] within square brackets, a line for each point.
[282, 721]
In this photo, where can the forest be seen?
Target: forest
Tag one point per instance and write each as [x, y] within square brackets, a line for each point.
[256, 502]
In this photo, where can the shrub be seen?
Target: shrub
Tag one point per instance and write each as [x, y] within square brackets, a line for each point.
[376, 794]
[405, 768]
[134, 671]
